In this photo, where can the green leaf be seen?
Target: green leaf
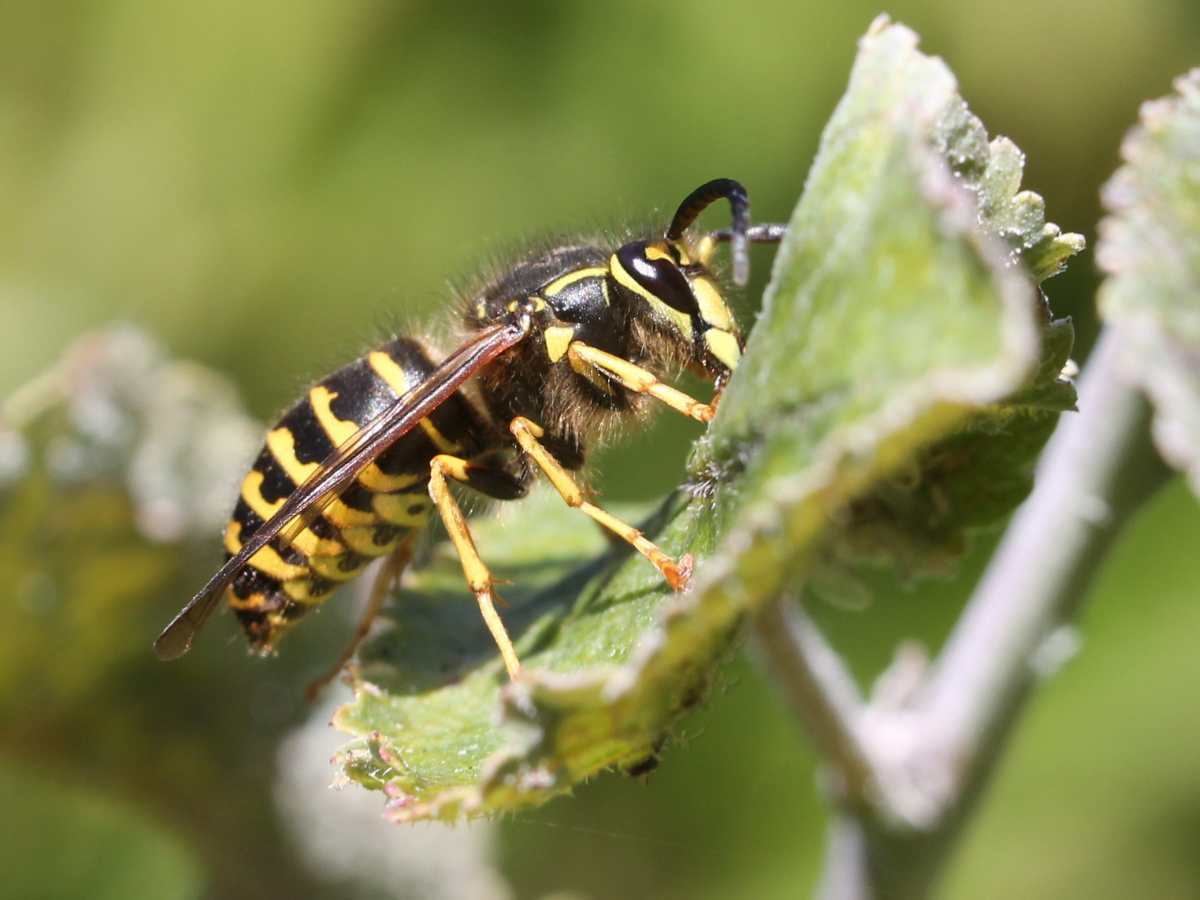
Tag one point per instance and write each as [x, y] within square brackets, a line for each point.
[1150, 248]
[107, 461]
[993, 170]
[917, 518]
[896, 324]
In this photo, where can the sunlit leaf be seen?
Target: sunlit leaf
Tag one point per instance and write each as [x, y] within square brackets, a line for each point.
[899, 318]
[1150, 247]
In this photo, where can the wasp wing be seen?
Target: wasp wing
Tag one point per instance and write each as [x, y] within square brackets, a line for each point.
[338, 470]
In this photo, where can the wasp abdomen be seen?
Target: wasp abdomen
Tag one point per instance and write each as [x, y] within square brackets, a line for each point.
[387, 500]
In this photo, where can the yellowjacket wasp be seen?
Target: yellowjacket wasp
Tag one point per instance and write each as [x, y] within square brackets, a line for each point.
[566, 343]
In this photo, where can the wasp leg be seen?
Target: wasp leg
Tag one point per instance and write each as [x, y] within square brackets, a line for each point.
[638, 379]
[527, 434]
[479, 579]
[389, 574]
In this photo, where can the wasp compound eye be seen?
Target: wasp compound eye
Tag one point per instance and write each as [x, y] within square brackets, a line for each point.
[659, 276]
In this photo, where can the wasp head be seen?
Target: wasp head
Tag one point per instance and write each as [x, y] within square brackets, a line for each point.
[674, 278]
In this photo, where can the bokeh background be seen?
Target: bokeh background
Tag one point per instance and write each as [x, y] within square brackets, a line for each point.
[271, 186]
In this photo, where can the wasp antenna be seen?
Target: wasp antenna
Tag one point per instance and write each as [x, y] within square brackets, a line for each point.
[757, 234]
[699, 199]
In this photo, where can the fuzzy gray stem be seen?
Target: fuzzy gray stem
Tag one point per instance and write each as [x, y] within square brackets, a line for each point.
[1091, 477]
[821, 693]
[844, 873]
[1097, 470]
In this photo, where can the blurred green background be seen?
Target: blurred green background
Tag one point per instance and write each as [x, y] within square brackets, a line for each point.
[271, 186]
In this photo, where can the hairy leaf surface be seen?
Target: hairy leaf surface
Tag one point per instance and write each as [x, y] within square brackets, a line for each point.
[895, 388]
[1150, 247]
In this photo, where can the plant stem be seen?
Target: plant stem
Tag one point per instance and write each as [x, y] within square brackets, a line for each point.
[1096, 471]
[844, 877]
[821, 692]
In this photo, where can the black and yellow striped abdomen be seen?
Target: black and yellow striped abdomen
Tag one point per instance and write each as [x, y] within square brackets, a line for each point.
[387, 501]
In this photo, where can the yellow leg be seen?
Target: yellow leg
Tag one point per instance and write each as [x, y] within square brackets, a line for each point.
[389, 573]
[478, 577]
[527, 434]
[638, 379]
